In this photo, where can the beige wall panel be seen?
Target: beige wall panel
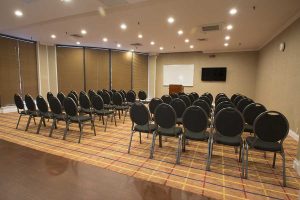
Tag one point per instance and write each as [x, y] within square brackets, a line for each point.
[140, 72]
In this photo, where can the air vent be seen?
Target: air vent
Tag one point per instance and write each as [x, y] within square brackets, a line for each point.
[136, 44]
[211, 27]
[76, 35]
[202, 39]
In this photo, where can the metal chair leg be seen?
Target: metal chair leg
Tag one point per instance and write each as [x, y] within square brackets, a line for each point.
[243, 161]
[183, 143]
[115, 119]
[39, 126]
[52, 127]
[66, 130]
[28, 122]
[140, 138]
[160, 140]
[18, 121]
[283, 169]
[125, 116]
[274, 160]
[152, 145]
[34, 120]
[240, 152]
[210, 146]
[132, 132]
[246, 163]
[106, 123]
[178, 150]
[80, 134]
[93, 126]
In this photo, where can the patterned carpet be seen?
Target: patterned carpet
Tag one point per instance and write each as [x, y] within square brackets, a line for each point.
[109, 150]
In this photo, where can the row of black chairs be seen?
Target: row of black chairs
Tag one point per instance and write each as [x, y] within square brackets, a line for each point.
[227, 120]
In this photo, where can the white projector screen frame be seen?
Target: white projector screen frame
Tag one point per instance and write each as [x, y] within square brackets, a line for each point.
[178, 74]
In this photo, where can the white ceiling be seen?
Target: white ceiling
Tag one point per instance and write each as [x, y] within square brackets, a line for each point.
[252, 28]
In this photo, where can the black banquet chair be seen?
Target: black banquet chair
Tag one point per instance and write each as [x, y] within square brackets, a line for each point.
[228, 128]
[119, 106]
[186, 100]
[43, 111]
[74, 117]
[195, 123]
[61, 97]
[130, 97]
[141, 121]
[166, 99]
[20, 108]
[270, 130]
[165, 119]
[250, 113]
[142, 95]
[57, 114]
[153, 105]
[31, 109]
[179, 106]
[100, 111]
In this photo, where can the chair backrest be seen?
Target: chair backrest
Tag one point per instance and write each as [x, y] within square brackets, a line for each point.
[179, 106]
[55, 106]
[84, 100]
[192, 99]
[221, 99]
[75, 94]
[130, 96]
[70, 107]
[30, 103]
[243, 103]
[139, 114]
[61, 97]
[237, 99]
[210, 96]
[195, 95]
[186, 100]
[117, 99]
[49, 96]
[220, 95]
[174, 95]
[42, 104]
[233, 97]
[132, 91]
[97, 102]
[271, 126]
[165, 116]
[122, 95]
[222, 105]
[206, 99]
[72, 96]
[195, 119]
[91, 93]
[229, 122]
[99, 92]
[252, 111]
[142, 95]
[202, 104]
[19, 102]
[110, 94]
[166, 99]
[153, 104]
[113, 90]
[106, 97]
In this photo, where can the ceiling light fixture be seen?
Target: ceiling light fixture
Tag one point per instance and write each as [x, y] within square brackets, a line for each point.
[191, 46]
[229, 27]
[18, 13]
[186, 40]
[119, 45]
[123, 26]
[226, 44]
[83, 32]
[161, 48]
[227, 37]
[66, 1]
[152, 43]
[132, 50]
[171, 20]
[233, 11]
[78, 43]
[105, 39]
[180, 32]
[140, 36]
[53, 36]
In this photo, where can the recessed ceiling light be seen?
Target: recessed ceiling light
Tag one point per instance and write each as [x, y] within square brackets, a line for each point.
[66, 1]
[53, 36]
[132, 50]
[171, 20]
[78, 43]
[83, 32]
[229, 27]
[191, 46]
[18, 13]
[227, 37]
[161, 48]
[180, 32]
[226, 44]
[186, 40]
[105, 39]
[152, 43]
[123, 26]
[140, 36]
[233, 11]
[119, 45]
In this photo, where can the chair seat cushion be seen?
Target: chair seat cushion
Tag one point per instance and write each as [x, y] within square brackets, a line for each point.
[172, 132]
[179, 120]
[199, 136]
[84, 110]
[145, 128]
[81, 118]
[106, 106]
[60, 117]
[24, 112]
[121, 107]
[261, 145]
[46, 115]
[248, 128]
[103, 112]
[231, 141]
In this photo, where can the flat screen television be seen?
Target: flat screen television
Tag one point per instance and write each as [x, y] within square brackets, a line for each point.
[214, 74]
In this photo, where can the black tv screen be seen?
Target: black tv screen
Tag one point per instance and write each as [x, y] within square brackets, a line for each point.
[214, 74]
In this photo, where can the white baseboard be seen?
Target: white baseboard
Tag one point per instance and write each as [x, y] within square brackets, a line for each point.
[8, 109]
[296, 166]
[294, 135]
